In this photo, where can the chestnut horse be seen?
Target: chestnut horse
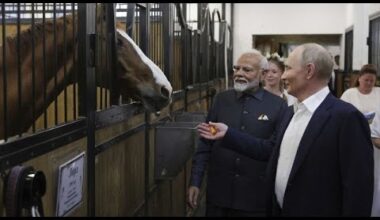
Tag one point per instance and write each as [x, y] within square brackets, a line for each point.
[138, 77]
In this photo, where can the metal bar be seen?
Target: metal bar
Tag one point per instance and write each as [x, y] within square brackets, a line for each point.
[130, 20]
[64, 64]
[44, 63]
[144, 33]
[100, 70]
[75, 75]
[168, 39]
[87, 19]
[115, 140]
[4, 73]
[55, 65]
[27, 148]
[116, 114]
[114, 90]
[33, 74]
[19, 86]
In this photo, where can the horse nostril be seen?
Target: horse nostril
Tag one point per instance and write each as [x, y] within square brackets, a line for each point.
[165, 92]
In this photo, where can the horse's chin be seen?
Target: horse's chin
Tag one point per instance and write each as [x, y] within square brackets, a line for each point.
[154, 104]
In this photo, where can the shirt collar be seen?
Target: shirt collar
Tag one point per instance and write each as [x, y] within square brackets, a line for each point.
[313, 101]
[257, 92]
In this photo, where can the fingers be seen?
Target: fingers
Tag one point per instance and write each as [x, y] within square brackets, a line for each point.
[212, 131]
[193, 197]
[203, 127]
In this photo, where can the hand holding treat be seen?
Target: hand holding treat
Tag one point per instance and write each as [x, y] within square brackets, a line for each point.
[212, 129]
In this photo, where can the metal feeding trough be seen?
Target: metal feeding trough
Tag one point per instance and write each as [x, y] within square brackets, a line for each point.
[175, 142]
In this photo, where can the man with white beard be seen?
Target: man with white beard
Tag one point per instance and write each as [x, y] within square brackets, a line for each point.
[235, 183]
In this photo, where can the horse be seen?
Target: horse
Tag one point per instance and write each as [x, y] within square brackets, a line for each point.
[139, 77]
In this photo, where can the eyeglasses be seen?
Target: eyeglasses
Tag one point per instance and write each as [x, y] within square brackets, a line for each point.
[243, 68]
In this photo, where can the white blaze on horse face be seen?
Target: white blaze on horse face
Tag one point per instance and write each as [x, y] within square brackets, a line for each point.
[158, 75]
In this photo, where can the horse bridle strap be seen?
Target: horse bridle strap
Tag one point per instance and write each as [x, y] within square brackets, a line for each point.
[24, 189]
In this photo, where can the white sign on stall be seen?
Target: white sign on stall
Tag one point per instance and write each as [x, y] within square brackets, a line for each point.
[70, 185]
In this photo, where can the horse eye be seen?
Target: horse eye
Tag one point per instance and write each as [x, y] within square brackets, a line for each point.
[119, 42]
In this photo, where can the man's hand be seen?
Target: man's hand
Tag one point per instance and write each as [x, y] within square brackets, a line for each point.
[212, 131]
[193, 194]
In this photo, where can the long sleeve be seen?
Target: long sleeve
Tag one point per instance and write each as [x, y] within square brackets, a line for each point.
[251, 146]
[202, 154]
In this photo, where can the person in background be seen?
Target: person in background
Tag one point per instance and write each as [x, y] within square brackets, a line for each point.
[322, 162]
[272, 79]
[332, 82]
[365, 96]
[235, 182]
[375, 135]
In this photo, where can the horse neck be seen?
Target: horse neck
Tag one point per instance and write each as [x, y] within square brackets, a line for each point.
[52, 68]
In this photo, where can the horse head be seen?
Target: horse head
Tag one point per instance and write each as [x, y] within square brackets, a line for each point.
[140, 78]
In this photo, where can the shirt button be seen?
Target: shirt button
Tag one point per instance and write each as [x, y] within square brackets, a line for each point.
[242, 127]
[245, 112]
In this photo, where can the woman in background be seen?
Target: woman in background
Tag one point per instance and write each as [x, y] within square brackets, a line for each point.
[272, 79]
[365, 96]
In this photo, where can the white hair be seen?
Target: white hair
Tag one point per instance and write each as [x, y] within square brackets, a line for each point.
[263, 62]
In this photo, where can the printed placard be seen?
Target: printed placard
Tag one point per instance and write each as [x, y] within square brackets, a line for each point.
[70, 185]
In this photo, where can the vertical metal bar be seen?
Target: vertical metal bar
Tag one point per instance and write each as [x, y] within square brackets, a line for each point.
[223, 11]
[44, 62]
[55, 64]
[106, 74]
[4, 72]
[144, 33]
[168, 39]
[113, 86]
[101, 69]
[130, 20]
[75, 75]
[19, 86]
[184, 54]
[87, 89]
[33, 75]
[64, 58]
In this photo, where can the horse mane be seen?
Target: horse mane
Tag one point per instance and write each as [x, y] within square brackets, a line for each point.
[39, 29]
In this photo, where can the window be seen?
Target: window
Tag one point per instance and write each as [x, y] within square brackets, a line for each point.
[348, 49]
[374, 43]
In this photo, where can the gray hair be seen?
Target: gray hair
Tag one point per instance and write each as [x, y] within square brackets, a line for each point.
[263, 62]
[320, 57]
